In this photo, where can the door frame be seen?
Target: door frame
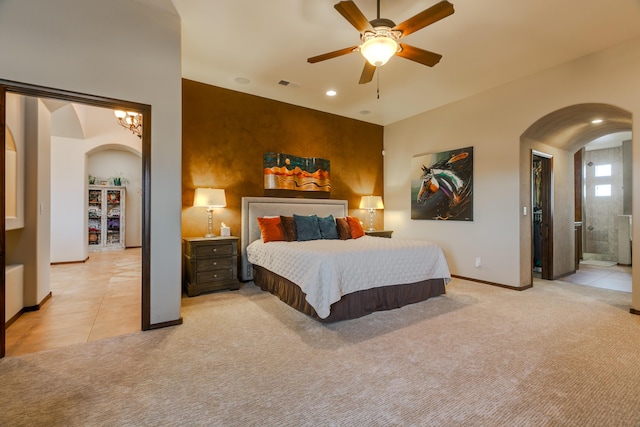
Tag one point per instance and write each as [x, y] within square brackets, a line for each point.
[26, 89]
[547, 212]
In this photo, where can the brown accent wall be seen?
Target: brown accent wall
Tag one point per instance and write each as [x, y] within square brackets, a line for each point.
[226, 133]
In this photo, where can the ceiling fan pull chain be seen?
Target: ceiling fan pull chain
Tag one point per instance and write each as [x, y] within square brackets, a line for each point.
[378, 84]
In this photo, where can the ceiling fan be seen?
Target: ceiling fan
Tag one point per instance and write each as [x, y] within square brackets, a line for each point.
[380, 37]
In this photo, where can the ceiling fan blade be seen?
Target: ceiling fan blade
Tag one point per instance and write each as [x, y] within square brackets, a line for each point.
[426, 17]
[351, 13]
[367, 73]
[330, 55]
[419, 55]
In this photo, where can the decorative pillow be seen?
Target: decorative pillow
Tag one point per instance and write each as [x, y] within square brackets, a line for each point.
[289, 226]
[271, 229]
[356, 227]
[328, 228]
[307, 227]
[344, 231]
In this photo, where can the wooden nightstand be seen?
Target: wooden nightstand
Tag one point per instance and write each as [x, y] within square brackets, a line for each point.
[209, 264]
[379, 233]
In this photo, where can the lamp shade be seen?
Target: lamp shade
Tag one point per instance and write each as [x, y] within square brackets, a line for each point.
[209, 198]
[371, 202]
[378, 50]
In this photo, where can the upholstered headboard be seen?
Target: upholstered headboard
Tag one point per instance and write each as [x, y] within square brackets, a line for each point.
[255, 207]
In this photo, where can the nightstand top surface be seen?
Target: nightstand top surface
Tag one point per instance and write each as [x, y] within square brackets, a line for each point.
[206, 239]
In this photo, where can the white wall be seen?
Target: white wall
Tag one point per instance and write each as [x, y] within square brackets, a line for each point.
[122, 50]
[102, 148]
[29, 245]
[15, 123]
[68, 201]
[493, 122]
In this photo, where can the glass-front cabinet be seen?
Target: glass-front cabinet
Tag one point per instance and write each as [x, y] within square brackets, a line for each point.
[106, 217]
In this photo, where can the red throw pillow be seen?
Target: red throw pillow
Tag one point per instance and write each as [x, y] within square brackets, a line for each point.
[271, 229]
[356, 227]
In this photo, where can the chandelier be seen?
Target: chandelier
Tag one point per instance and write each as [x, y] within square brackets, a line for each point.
[130, 120]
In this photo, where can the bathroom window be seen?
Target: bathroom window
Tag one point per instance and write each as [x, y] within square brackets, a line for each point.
[603, 190]
[603, 170]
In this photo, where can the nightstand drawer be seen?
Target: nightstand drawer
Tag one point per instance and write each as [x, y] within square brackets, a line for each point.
[214, 276]
[208, 264]
[214, 250]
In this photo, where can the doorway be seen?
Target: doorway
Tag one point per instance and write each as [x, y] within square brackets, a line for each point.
[607, 200]
[542, 214]
[145, 110]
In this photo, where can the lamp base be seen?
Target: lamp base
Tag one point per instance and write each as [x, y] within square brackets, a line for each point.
[208, 236]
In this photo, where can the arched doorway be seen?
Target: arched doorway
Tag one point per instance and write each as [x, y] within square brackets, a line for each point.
[562, 133]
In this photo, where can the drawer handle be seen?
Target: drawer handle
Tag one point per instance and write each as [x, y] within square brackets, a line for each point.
[215, 249]
[215, 263]
[215, 275]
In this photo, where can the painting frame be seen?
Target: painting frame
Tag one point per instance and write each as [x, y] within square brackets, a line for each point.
[442, 185]
[286, 172]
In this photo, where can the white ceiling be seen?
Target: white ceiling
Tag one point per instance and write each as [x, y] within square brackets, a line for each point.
[484, 44]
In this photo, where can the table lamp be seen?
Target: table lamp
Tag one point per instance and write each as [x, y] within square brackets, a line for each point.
[371, 203]
[209, 198]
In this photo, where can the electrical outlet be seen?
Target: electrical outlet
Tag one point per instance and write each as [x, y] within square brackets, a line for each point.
[478, 262]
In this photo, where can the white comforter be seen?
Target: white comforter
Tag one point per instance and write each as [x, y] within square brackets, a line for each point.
[326, 270]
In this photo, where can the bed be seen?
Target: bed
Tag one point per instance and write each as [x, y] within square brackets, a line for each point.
[333, 280]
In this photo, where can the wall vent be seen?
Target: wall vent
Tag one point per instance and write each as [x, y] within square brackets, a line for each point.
[288, 83]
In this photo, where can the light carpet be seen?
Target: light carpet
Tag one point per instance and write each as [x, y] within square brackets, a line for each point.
[558, 354]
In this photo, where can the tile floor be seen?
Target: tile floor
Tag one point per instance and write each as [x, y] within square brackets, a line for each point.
[96, 299]
[617, 277]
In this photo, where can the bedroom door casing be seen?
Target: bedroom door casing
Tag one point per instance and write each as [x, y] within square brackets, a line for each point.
[26, 89]
[546, 202]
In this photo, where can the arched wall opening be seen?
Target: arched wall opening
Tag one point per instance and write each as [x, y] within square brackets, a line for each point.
[561, 134]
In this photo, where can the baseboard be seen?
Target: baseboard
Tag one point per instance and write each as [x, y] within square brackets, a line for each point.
[500, 285]
[82, 261]
[14, 318]
[39, 305]
[27, 309]
[165, 324]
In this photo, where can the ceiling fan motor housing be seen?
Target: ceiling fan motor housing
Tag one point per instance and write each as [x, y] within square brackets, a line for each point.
[382, 22]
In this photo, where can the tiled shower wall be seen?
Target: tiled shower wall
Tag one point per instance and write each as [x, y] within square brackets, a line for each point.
[600, 213]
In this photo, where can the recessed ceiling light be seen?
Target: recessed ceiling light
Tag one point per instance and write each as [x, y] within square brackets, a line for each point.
[242, 80]
[331, 92]
[596, 121]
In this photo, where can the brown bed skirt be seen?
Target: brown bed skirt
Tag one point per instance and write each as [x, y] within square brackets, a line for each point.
[352, 305]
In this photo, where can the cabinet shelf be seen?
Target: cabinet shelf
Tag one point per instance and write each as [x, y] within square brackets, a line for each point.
[106, 217]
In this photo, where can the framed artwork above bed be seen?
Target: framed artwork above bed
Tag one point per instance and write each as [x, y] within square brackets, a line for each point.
[284, 173]
[442, 185]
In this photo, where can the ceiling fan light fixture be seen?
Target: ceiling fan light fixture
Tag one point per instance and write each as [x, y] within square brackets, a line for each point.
[378, 49]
